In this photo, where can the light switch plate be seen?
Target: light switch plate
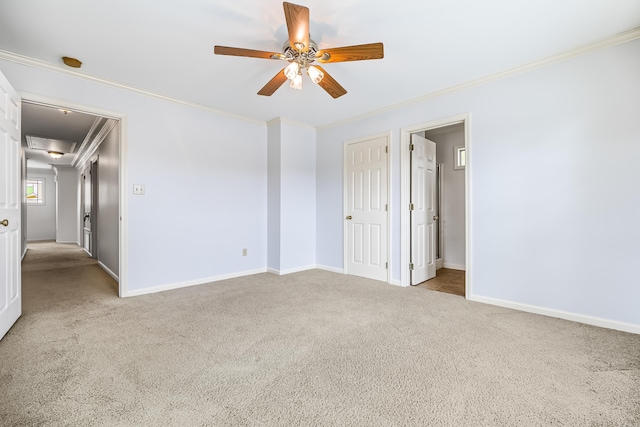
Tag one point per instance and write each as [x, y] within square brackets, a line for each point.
[138, 189]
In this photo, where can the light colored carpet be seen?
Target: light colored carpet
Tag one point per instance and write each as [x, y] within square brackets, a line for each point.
[312, 348]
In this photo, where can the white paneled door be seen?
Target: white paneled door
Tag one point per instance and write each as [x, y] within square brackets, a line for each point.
[10, 205]
[366, 204]
[423, 202]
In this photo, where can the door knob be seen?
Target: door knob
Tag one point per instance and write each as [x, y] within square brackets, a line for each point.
[349, 217]
[435, 217]
[5, 222]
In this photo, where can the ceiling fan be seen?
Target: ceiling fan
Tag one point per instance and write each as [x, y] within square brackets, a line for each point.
[301, 52]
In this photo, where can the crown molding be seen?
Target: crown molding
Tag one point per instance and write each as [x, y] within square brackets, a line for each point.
[43, 65]
[612, 41]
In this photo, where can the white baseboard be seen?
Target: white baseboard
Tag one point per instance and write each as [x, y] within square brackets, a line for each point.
[574, 317]
[170, 286]
[24, 253]
[455, 266]
[70, 241]
[109, 272]
[395, 282]
[331, 269]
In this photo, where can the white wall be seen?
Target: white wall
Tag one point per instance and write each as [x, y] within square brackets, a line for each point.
[298, 198]
[67, 205]
[292, 198]
[201, 207]
[41, 219]
[274, 173]
[108, 204]
[554, 197]
[453, 206]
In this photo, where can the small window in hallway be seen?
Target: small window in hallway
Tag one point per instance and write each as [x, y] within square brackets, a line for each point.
[34, 191]
[460, 156]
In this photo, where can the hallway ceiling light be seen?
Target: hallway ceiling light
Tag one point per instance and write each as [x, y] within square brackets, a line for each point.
[55, 154]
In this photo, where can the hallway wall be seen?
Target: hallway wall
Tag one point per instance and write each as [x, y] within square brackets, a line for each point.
[108, 202]
[41, 219]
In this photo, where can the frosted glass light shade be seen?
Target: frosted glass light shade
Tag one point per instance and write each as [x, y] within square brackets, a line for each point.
[315, 74]
[296, 83]
[291, 71]
[55, 154]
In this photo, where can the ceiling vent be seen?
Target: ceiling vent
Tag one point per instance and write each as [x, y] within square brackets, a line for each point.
[48, 144]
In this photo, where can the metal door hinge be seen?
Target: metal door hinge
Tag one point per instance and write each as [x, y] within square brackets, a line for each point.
[386, 265]
[386, 148]
[386, 207]
[411, 147]
[411, 207]
[410, 266]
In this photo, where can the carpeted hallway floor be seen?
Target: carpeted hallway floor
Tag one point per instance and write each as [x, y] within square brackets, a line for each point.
[312, 348]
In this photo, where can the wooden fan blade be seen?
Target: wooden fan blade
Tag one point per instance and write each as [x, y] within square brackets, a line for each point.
[273, 84]
[359, 52]
[298, 25]
[329, 84]
[237, 51]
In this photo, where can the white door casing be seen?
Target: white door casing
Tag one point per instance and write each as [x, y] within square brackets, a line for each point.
[366, 205]
[10, 207]
[423, 220]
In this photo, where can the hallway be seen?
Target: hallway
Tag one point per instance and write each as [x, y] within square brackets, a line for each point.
[46, 277]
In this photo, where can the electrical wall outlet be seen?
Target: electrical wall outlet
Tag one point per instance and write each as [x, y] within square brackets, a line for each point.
[138, 189]
[244, 252]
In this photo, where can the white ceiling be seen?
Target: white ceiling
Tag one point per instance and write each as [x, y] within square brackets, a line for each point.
[166, 47]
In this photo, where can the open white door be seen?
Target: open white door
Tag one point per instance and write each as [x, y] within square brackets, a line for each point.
[366, 201]
[423, 193]
[10, 205]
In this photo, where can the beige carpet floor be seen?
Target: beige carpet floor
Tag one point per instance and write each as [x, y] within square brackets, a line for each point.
[311, 349]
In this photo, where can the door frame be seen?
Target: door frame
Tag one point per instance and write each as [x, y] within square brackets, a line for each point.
[345, 145]
[123, 273]
[405, 195]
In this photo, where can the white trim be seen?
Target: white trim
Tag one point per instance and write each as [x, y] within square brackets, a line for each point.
[188, 283]
[32, 98]
[388, 135]
[24, 253]
[454, 266]
[86, 141]
[405, 179]
[108, 271]
[91, 144]
[574, 317]
[36, 63]
[395, 282]
[61, 241]
[291, 270]
[331, 269]
[612, 41]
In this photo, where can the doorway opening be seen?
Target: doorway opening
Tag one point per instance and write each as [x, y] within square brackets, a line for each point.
[434, 205]
[86, 193]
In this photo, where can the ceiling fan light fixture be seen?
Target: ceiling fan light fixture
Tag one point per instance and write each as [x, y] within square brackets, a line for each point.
[315, 74]
[296, 82]
[292, 70]
[55, 154]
